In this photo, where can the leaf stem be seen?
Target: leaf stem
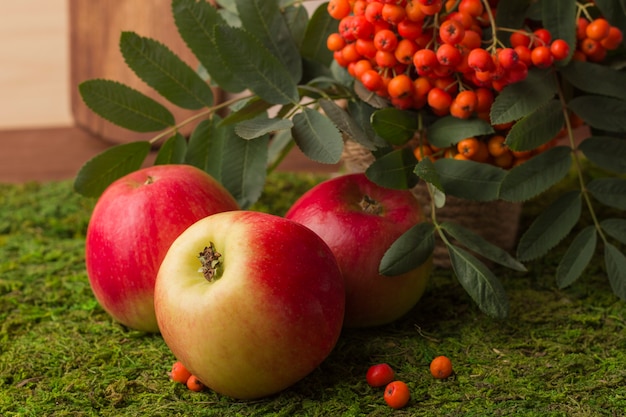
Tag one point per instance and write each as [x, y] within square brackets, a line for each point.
[577, 161]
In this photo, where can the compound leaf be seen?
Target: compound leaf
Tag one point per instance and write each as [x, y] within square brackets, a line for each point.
[317, 137]
[550, 227]
[409, 251]
[259, 126]
[596, 79]
[536, 175]
[609, 191]
[394, 170]
[206, 145]
[537, 128]
[520, 99]
[604, 113]
[479, 282]
[100, 171]
[164, 71]
[394, 125]
[606, 152]
[615, 228]
[244, 168]
[449, 130]
[264, 19]
[577, 257]
[615, 263]
[478, 244]
[469, 179]
[125, 106]
[172, 151]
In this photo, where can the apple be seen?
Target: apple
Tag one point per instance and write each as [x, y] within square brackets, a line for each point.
[360, 220]
[131, 228]
[249, 302]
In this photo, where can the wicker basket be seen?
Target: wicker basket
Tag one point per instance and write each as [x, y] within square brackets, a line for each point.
[496, 221]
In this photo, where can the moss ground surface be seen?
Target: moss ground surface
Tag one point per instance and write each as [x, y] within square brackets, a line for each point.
[561, 352]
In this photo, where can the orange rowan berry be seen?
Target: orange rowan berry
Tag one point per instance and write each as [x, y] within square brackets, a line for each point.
[441, 367]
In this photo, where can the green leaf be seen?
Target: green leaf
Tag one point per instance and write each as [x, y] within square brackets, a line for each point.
[615, 228]
[172, 151]
[125, 106]
[605, 113]
[536, 175]
[195, 21]
[313, 45]
[449, 130]
[264, 19]
[250, 109]
[409, 251]
[164, 71]
[606, 152]
[394, 125]
[550, 227]
[317, 137]
[297, 18]
[615, 262]
[559, 17]
[206, 146]
[346, 124]
[511, 14]
[362, 112]
[479, 282]
[596, 79]
[577, 257]
[478, 244]
[425, 169]
[100, 171]
[469, 179]
[394, 170]
[537, 128]
[255, 66]
[609, 191]
[520, 99]
[259, 126]
[244, 168]
[281, 142]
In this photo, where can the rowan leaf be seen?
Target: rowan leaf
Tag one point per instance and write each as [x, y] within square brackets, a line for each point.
[481, 246]
[522, 98]
[255, 66]
[449, 130]
[606, 152]
[577, 257]
[409, 251]
[317, 137]
[604, 113]
[596, 79]
[616, 228]
[164, 71]
[469, 179]
[537, 128]
[550, 227]
[125, 106]
[536, 175]
[100, 171]
[205, 146]
[172, 151]
[195, 21]
[259, 126]
[609, 191]
[394, 170]
[615, 263]
[394, 125]
[479, 282]
[244, 168]
[313, 45]
[347, 124]
[265, 20]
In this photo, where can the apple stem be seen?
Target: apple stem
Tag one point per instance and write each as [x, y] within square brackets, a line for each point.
[371, 206]
[210, 261]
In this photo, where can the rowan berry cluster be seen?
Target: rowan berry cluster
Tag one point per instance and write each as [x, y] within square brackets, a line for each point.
[419, 53]
[594, 37]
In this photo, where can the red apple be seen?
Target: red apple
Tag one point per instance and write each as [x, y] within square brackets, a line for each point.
[360, 220]
[131, 228]
[249, 302]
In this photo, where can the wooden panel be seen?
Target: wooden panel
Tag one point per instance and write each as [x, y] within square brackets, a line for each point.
[95, 29]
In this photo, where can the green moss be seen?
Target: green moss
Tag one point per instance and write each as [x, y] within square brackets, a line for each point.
[561, 352]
